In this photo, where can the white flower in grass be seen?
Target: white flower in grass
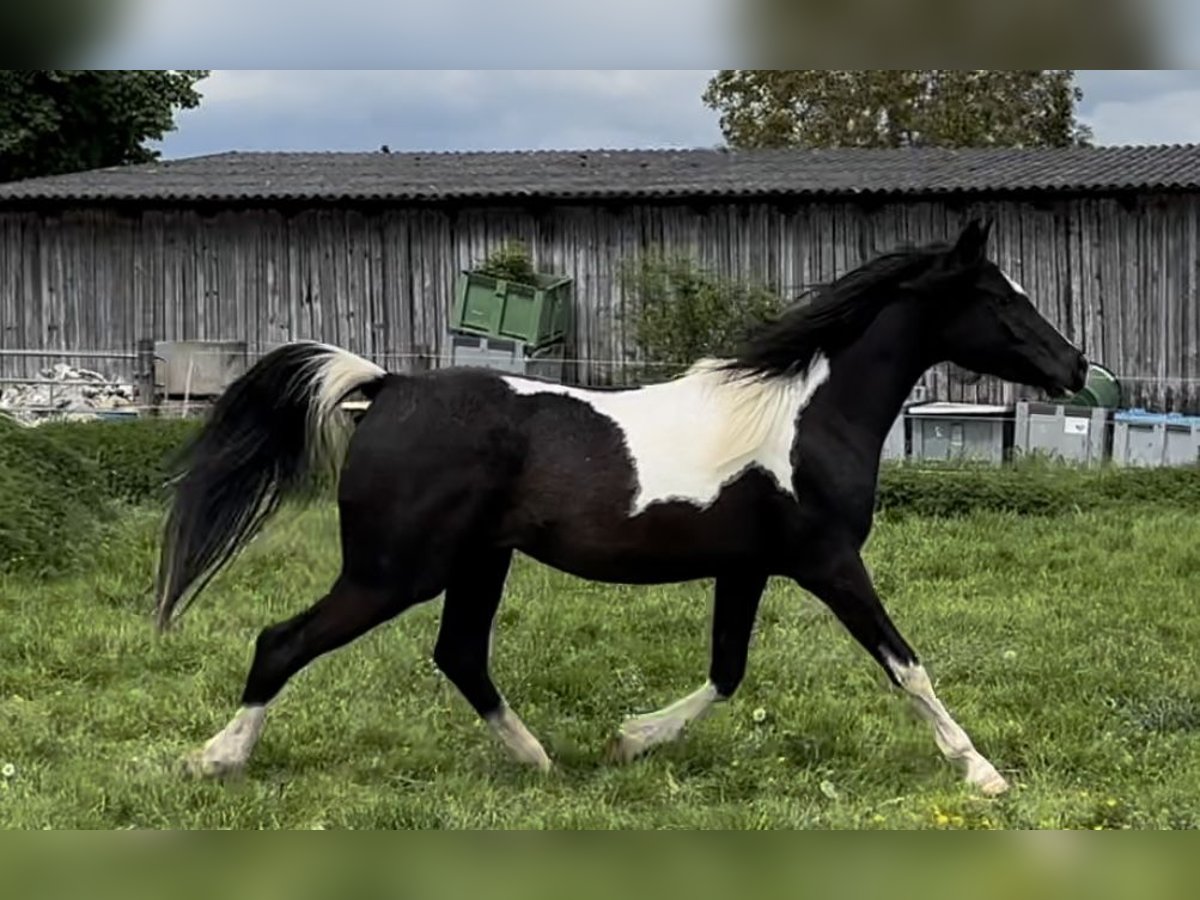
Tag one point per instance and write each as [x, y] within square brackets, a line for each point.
[759, 716]
[8, 770]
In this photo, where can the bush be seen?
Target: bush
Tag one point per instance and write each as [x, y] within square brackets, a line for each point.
[50, 500]
[685, 313]
[60, 482]
[131, 458]
[1030, 488]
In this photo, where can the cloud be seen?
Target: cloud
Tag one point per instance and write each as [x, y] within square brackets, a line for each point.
[1172, 117]
[561, 109]
[1141, 107]
[1123, 85]
[445, 110]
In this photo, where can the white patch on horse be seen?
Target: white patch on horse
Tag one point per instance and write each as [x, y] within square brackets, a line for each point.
[521, 743]
[952, 740]
[691, 436]
[640, 733]
[228, 751]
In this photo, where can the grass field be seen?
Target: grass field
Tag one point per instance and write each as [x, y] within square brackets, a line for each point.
[1067, 646]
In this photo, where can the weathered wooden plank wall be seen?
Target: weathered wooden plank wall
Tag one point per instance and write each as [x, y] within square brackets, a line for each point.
[1119, 276]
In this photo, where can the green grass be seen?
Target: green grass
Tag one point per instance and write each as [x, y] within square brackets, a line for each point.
[1066, 646]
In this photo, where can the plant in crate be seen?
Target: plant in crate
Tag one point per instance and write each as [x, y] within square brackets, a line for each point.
[505, 297]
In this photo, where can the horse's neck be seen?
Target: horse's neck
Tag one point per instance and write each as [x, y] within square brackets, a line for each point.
[871, 378]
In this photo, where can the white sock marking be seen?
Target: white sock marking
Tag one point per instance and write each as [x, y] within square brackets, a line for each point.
[521, 743]
[952, 740]
[640, 733]
[689, 437]
[230, 749]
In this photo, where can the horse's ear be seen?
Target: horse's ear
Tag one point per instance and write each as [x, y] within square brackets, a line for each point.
[971, 246]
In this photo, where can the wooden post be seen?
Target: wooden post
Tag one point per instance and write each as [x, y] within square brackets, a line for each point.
[147, 392]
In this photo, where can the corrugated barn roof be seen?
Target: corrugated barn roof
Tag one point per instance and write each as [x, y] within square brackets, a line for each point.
[617, 174]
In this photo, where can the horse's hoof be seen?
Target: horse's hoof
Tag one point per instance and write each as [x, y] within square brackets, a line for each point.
[984, 777]
[993, 785]
[627, 744]
[199, 764]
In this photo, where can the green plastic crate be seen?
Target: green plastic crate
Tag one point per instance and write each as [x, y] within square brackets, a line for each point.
[536, 316]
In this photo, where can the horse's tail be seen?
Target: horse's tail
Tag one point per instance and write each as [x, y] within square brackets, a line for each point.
[266, 435]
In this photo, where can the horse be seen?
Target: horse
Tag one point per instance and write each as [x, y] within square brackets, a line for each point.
[761, 463]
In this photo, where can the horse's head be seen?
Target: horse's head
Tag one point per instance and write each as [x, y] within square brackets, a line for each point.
[982, 320]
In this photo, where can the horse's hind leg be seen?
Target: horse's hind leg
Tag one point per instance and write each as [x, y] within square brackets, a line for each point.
[348, 611]
[464, 647]
[735, 607]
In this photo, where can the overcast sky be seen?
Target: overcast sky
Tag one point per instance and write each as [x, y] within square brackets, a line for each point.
[350, 104]
[547, 109]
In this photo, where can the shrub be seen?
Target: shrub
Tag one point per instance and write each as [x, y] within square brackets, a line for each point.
[131, 458]
[1030, 488]
[60, 482]
[50, 500]
[685, 313]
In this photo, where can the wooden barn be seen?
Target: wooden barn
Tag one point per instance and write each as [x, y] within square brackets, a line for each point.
[363, 249]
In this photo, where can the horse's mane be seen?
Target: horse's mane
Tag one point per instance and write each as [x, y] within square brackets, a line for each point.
[758, 384]
[835, 315]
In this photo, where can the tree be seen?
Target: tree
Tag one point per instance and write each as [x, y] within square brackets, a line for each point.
[54, 121]
[897, 108]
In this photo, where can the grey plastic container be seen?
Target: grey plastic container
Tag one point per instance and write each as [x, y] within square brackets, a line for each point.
[1155, 439]
[961, 432]
[1073, 433]
[506, 355]
[895, 443]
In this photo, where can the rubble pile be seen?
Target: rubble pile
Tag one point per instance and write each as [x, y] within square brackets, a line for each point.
[76, 393]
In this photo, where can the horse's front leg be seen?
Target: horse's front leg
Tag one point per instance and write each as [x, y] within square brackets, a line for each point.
[841, 581]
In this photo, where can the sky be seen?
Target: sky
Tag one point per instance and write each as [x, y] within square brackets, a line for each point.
[351, 103]
[563, 109]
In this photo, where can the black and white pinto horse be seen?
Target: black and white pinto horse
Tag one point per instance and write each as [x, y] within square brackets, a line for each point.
[761, 465]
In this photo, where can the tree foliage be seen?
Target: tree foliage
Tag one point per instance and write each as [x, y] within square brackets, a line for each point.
[897, 108]
[685, 313]
[54, 121]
